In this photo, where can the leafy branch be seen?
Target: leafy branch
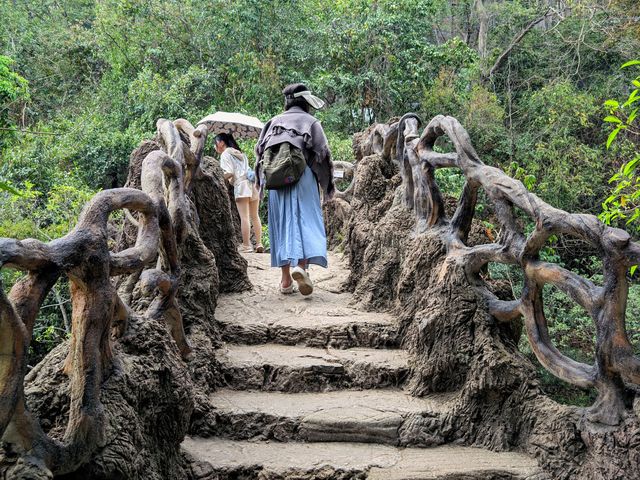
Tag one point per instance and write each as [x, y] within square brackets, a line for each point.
[624, 201]
[624, 116]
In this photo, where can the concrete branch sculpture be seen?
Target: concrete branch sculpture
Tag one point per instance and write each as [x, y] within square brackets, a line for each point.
[616, 368]
[99, 313]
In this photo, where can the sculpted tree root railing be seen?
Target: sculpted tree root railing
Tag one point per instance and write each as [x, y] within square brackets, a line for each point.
[378, 139]
[84, 257]
[615, 368]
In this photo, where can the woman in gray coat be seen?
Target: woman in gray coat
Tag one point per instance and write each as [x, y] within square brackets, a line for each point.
[296, 227]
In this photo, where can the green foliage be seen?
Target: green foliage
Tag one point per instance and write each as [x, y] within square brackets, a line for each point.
[53, 45]
[7, 187]
[12, 86]
[372, 57]
[29, 214]
[516, 171]
[571, 327]
[101, 73]
[475, 107]
[266, 243]
[622, 206]
[341, 147]
[450, 181]
[557, 147]
[152, 95]
[14, 93]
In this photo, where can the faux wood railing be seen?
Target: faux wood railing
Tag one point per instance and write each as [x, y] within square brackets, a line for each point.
[85, 258]
[615, 367]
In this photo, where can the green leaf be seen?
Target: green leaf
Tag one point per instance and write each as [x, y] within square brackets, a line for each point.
[612, 136]
[612, 119]
[631, 63]
[633, 270]
[529, 181]
[630, 166]
[612, 104]
[634, 97]
[636, 83]
[632, 116]
[635, 215]
[8, 188]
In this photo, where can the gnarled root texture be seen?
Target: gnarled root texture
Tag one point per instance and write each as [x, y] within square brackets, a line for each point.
[415, 253]
[116, 399]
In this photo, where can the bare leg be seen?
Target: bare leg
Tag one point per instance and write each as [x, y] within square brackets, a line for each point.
[254, 206]
[243, 210]
[286, 276]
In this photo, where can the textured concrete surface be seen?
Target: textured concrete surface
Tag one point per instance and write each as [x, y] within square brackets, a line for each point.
[325, 318]
[297, 369]
[376, 462]
[374, 416]
[312, 389]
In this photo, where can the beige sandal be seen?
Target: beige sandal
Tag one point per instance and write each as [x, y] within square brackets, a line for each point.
[259, 248]
[300, 275]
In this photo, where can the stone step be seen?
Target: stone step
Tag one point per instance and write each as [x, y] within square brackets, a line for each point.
[340, 327]
[326, 318]
[222, 459]
[303, 369]
[371, 416]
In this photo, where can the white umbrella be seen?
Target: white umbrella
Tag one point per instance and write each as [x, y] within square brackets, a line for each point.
[238, 124]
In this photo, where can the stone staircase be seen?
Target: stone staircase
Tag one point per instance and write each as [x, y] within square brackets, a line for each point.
[312, 389]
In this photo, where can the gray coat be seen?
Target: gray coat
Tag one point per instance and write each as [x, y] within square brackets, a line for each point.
[304, 131]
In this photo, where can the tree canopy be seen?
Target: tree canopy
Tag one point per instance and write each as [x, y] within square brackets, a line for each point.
[83, 82]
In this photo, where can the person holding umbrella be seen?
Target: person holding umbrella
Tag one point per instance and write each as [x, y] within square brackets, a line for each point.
[296, 227]
[235, 165]
[236, 169]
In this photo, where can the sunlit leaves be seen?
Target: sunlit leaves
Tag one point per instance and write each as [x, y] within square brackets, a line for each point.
[612, 136]
[516, 171]
[624, 201]
[631, 63]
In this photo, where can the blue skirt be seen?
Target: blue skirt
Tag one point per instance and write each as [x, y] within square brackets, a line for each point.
[296, 228]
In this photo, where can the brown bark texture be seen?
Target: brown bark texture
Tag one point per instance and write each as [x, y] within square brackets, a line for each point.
[116, 400]
[413, 252]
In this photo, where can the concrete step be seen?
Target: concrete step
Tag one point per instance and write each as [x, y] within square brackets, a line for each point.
[339, 327]
[326, 318]
[222, 459]
[371, 416]
[303, 369]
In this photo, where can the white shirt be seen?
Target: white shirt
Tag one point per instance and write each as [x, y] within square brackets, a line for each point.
[235, 162]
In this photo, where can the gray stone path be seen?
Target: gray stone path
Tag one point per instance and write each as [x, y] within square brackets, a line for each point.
[325, 318]
[312, 389]
[354, 460]
[299, 369]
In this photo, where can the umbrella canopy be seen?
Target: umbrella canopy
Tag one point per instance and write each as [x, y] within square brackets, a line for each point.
[238, 124]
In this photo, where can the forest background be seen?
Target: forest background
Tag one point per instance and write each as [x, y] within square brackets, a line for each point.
[537, 83]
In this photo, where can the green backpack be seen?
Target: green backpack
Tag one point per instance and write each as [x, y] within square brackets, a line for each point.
[283, 165]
